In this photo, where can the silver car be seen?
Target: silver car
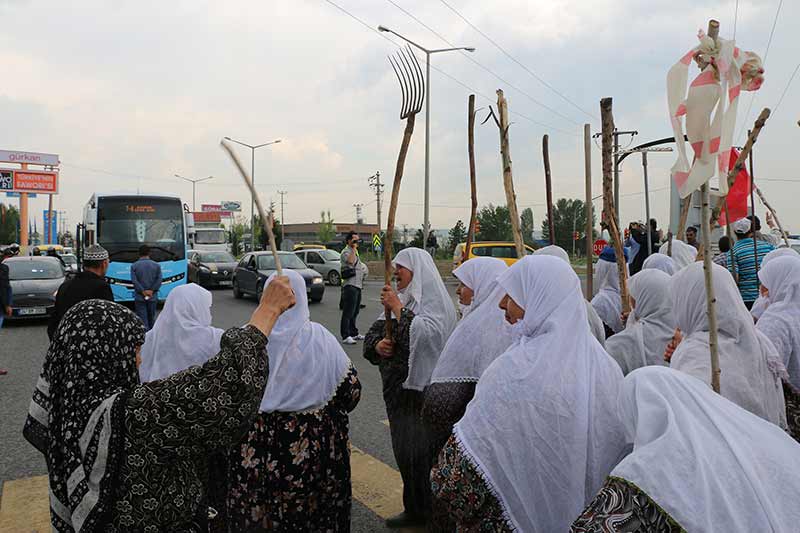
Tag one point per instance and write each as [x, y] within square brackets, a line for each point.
[326, 262]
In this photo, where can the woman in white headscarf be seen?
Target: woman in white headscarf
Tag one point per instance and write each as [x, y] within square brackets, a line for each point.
[182, 336]
[607, 302]
[595, 323]
[781, 324]
[751, 368]
[423, 318]
[291, 472]
[762, 302]
[541, 434]
[643, 341]
[683, 254]
[699, 463]
[660, 262]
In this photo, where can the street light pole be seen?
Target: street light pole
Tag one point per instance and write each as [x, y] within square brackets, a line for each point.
[253, 178]
[426, 226]
[194, 182]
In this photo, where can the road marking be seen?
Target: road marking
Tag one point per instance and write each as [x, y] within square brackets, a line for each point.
[375, 484]
[25, 507]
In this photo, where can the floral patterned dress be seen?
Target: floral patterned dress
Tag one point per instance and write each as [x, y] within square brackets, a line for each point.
[622, 507]
[173, 425]
[292, 470]
[792, 398]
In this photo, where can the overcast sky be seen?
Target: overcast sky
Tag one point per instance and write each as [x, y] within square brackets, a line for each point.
[130, 93]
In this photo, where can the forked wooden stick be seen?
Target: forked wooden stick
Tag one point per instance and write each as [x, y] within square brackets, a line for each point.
[473, 187]
[266, 221]
[508, 179]
[774, 214]
[711, 299]
[587, 163]
[548, 187]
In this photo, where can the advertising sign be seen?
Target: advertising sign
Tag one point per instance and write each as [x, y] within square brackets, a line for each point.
[207, 216]
[42, 181]
[16, 195]
[33, 158]
[214, 208]
[231, 206]
[53, 225]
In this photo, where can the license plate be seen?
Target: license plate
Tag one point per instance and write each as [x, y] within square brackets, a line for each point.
[225, 283]
[32, 311]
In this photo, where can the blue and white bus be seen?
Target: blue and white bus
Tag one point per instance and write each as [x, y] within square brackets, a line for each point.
[121, 223]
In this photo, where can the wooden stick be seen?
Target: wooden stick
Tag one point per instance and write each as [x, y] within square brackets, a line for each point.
[685, 205]
[774, 214]
[710, 298]
[473, 187]
[607, 118]
[669, 243]
[587, 170]
[548, 186]
[753, 211]
[388, 249]
[729, 233]
[508, 180]
[266, 221]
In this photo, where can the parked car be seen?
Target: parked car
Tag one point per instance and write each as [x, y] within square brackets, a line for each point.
[211, 268]
[507, 251]
[70, 262]
[252, 272]
[308, 246]
[34, 283]
[326, 262]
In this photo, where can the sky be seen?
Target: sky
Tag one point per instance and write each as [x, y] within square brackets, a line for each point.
[131, 93]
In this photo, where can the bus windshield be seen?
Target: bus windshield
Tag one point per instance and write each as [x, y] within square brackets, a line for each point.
[124, 223]
[210, 236]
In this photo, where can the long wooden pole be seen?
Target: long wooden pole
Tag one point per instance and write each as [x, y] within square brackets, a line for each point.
[587, 170]
[685, 206]
[266, 221]
[753, 208]
[774, 214]
[473, 187]
[607, 118]
[548, 186]
[508, 180]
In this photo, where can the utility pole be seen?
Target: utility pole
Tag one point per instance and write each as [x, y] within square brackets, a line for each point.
[283, 220]
[359, 214]
[375, 183]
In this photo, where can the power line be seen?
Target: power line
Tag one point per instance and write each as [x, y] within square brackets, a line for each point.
[480, 65]
[785, 89]
[512, 58]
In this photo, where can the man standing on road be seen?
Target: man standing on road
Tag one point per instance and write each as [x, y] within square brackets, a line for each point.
[432, 244]
[353, 273]
[146, 278]
[5, 286]
[89, 284]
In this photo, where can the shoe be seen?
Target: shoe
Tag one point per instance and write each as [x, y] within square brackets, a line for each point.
[405, 519]
[349, 340]
[359, 337]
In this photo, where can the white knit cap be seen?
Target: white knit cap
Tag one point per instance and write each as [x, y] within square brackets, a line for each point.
[95, 252]
[741, 226]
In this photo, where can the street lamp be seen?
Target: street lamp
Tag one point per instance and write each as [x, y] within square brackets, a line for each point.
[427, 223]
[253, 177]
[194, 182]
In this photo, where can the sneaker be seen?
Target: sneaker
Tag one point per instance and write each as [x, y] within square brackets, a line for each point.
[359, 337]
[349, 340]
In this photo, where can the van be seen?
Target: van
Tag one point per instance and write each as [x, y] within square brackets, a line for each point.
[507, 251]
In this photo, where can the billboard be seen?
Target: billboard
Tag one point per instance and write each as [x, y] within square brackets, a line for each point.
[16, 180]
[214, 208]
[33, 158]
[53, 227]
[231, 206]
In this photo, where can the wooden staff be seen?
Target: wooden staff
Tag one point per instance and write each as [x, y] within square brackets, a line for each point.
[587, 169]
[729, 234]
[753, 210]
[685, 205]
[508, 180]
[548, 186]
[774, 214]
[607, 118]
[266, 221]
[669, 243]
[473, 187]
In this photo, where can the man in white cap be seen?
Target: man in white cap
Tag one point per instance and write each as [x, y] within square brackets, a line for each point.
[87, 285]
[746, 260]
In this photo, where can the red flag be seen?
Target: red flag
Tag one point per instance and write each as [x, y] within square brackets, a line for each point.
[737, 195]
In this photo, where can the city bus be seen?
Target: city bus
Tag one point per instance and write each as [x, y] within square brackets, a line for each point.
[121, 223]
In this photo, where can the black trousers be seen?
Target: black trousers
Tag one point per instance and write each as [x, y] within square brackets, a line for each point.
[351, 305]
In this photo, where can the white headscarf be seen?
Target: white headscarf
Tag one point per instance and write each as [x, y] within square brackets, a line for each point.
[306, 362]
[762, 302]
[660, 262]
[708, 463]
[683, 254]
[481, 335]
[643, 342]
[607, 301]
[542, 428]
[750, 367]
[435, 315]
[595, 323]
[182, 335]
[781, 321]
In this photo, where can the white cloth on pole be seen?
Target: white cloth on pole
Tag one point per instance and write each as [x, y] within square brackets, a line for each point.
[781, 321]
[542, 428]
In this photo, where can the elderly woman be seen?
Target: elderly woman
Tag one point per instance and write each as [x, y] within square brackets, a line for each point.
[128, 457]
[660, 262]
[423, 318]
[541, 433]
[699, 463]
[762, 302]
[751, 368]
[643, 341]
[683, 254]
[607, 302]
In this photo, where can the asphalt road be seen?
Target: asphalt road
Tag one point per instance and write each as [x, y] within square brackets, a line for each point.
[376, 482]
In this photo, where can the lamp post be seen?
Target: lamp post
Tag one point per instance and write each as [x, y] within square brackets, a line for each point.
[427, 224]
[253, 178]
[194, 182]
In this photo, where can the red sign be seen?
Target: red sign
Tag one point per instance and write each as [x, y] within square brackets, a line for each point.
[207, 216]
[598, 246]
[42, 181]
[214, 208]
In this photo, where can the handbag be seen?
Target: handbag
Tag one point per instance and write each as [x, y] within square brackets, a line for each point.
[349, 271]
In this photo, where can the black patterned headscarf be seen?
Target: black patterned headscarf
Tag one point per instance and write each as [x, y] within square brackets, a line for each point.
[77, 411]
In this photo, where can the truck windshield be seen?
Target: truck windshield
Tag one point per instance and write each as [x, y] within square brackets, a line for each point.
[214, 236]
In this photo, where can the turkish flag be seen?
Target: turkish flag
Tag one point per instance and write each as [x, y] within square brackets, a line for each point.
[737, 195]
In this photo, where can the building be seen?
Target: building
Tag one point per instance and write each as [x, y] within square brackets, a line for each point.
[309, 232]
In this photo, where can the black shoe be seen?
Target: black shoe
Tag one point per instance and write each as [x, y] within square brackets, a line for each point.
[405, 519]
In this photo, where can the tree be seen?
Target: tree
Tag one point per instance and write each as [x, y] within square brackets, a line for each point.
[457, 234]
[495, 224]
[327, 231]
[9, 224]
[526, 225]
[263, 238]
[237, 231]
[569, 215]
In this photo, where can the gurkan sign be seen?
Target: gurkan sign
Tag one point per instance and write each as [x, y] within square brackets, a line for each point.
[32, 158]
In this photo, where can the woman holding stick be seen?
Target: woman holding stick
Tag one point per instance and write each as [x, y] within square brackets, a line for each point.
[607, 302]
[424, 317]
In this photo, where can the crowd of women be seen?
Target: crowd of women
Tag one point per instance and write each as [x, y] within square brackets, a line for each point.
[537, 411]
